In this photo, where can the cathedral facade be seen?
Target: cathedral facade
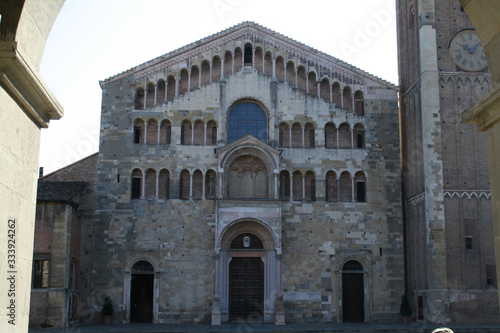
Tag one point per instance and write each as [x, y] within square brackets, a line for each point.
[449, 241]
[247, 176]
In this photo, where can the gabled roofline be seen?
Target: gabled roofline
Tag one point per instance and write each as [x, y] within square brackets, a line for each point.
[201, 45]
[69, 165]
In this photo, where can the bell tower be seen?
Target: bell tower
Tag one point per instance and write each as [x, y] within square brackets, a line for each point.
[448, 223]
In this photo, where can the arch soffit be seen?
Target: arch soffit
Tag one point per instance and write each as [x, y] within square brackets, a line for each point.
[247, 225]
[249, 145]
[355, 257]
[133, 260]
[247, 99]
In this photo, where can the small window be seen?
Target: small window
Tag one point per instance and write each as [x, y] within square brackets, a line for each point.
[136, 184]
[41, 274]
[137, 134]
[360, 195]
[248, 54]
[468, 243]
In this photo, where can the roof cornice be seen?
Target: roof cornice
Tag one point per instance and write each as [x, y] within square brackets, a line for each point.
[250, 29]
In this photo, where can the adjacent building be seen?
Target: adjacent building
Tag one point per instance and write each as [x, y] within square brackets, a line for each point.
[450, 258]
[26, 106]
[63, 248]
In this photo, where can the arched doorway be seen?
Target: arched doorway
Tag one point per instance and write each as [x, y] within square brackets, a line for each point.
[246, 279]
[353, 294]
[141, 292]
[247, 272]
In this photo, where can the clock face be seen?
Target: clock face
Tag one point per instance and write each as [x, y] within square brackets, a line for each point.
[467, 52]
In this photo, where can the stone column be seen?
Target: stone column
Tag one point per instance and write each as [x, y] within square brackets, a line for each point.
[216, 313]
[279, 305]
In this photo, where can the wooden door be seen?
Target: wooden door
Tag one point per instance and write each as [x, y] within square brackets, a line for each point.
[141, 298]
[246, 289]
[353, 297]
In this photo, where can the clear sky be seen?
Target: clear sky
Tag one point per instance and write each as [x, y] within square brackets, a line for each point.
[92, 40]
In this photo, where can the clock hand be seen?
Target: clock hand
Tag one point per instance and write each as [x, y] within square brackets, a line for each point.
[473, 49]
[465, 47]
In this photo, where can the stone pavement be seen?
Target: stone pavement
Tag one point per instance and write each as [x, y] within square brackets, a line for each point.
[258, 327]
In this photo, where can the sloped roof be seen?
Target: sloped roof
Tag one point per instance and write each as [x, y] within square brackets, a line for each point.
[58, 191]
[247, 29]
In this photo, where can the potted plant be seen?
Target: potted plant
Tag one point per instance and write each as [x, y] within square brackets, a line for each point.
[405, 308]
[107, 310]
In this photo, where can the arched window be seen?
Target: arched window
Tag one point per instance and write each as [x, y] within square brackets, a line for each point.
[330, 135]
[210, 184]
[345, 186]
[150, 190]
[142, 267]
[150, 95]
[183, 81]
[290, 73]
[138, 131]
[136, 188]
[310, 186]
[160, 93]
[284, 185]
[165, 132]
[194, 81]
[359, 103]
[331, 186]
[352, 265]
[184, 185]
[139, 99]
[359, 136]
[211, 138]
[247, 118]
[248, 55]
[268, 64]
[325, 90]
[280, 69]
[336, 96]
[216, 69]
[228, 63]
[199, 132]
[347, 95]
[170, 88]
[238, 60]
[186, 132]
[344, 136]
[296, 135]
[284, 133]
[360, 187]
[164, 184]
[309, 136]
[311, 81]
[205, 73]
[152, 132]
[301, 78]
[197, 185]
[297, 186]
[259, 59]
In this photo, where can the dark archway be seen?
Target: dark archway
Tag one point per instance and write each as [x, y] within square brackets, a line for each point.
[141, 292]
[353, 295]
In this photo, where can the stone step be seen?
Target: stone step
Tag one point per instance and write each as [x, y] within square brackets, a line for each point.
[259, 327]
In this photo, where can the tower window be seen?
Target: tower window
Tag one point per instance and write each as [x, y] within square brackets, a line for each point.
[468, 243]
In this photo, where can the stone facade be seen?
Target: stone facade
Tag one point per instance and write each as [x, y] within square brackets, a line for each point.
[248, 165]
[26, 105]
[450, 257]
